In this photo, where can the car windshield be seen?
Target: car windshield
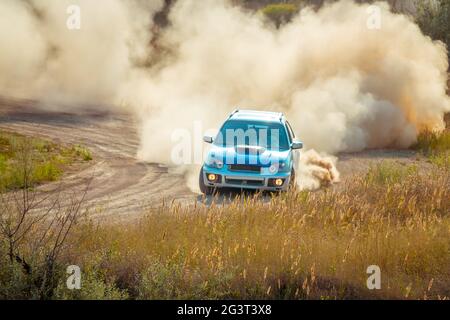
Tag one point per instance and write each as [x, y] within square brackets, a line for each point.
[269, 135]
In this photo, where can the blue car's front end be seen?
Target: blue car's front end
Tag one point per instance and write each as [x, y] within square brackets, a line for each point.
[244, 164]
[246, 172]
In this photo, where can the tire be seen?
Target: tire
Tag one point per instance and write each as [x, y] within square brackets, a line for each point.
[207, 191]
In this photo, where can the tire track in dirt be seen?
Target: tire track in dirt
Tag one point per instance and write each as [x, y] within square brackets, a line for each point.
[121, 184]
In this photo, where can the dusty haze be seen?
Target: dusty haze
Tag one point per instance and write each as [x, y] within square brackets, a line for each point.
[343, 86]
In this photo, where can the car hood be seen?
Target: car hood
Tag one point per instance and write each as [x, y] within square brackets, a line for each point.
[247, 155]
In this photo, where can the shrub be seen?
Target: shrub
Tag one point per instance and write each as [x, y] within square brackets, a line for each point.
[14, 284]
[34, 224]
[161, 281]
[2, 164]
[279, 13]
[82, 152]
[47, 171]
[434, 19]
[441, 160]
[94, 286]
[169, 280]
[431, 142]
[436, 146]
[46, 160]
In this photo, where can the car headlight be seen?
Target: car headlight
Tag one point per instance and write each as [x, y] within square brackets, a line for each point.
[283, 166]
[278, 166]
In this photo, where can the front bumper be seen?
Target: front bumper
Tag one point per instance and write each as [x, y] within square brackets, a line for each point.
[245, 180]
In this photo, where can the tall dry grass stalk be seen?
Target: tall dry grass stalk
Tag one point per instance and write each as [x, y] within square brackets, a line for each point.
[300, 245]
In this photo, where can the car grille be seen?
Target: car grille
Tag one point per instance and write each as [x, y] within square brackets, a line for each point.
[242, 182]
[244, 167]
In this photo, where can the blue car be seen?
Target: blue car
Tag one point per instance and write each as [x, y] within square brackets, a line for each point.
[253, 150]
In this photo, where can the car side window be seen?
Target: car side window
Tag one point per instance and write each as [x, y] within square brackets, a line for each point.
[290, 131]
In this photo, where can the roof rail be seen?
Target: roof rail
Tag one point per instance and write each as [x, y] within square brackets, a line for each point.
[233, 113]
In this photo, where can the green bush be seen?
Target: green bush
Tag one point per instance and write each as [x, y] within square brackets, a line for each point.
[442, 160]
[82, 152]
[14, 284]
[280, 13]
[161, 281]
[47, 171]
[431, 142]
[2, 164]
[434, 19]
[436, 146]
[94, 286]
[173, 281]
[45, 160]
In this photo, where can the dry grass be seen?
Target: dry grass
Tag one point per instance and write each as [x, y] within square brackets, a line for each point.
[307, 245]
[303, 245]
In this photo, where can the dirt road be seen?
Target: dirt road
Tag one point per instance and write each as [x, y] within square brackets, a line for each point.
[121, 184]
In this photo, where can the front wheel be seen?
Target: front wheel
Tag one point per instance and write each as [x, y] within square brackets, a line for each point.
[203, 188]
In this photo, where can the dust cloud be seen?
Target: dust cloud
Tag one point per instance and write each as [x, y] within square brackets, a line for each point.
[344, 87]
[41, 58]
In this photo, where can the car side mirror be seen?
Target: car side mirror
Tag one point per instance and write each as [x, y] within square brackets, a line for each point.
[296, 145]
[208, 139]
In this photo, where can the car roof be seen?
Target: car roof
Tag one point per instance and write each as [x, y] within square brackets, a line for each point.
[256, 115]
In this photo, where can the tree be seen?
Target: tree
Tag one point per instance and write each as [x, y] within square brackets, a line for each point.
[280, 13]
[433, 18]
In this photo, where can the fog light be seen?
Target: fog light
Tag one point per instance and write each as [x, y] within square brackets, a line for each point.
[278, 182]
[212, 177]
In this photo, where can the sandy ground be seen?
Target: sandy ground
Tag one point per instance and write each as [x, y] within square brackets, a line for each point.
[123, 186]
[120, 184]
